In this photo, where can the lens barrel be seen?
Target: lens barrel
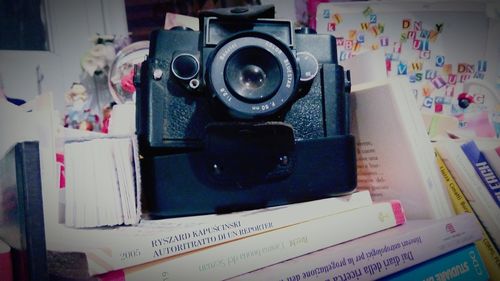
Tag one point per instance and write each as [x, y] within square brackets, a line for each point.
[253, 74]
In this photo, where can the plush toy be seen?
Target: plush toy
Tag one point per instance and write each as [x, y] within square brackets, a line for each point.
[79, 115]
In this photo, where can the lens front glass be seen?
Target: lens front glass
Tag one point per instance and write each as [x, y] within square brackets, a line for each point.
[253, 74]
[252, 77]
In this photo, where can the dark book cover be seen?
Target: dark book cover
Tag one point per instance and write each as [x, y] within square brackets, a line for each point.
[21, 211]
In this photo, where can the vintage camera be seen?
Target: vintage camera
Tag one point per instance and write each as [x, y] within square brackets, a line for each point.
[247, 113]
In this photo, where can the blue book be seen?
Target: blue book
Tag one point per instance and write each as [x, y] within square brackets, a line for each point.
[462, 264]
[483, 169]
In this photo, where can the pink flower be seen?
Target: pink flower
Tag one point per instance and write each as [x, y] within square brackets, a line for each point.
[127, 82]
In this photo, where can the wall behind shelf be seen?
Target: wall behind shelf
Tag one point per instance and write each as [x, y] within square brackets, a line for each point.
[71, 24]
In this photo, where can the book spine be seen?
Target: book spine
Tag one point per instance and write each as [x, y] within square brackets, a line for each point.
[251, 253]
[32, 254]
[126, 251]
[460, 204]
[483, 169]
[463, 264]
[374, 257]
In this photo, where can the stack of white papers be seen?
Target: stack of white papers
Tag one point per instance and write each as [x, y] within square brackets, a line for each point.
[100, 183]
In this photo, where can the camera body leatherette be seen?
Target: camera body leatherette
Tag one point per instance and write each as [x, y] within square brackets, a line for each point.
[198, 159]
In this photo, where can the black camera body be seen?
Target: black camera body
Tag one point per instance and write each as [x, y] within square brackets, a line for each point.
[247, 113]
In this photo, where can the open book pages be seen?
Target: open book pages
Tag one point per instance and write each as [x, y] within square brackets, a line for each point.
[101, 187]
[395, 157]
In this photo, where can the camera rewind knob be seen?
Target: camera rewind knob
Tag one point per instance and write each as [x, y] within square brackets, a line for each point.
[308, 66]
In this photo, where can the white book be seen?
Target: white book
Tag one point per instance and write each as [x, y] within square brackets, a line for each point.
[244, 255]
[395, 158]
[112, 249]
[471, 185]
[377, 255]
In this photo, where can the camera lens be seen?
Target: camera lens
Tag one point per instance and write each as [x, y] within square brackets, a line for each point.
[253, 74]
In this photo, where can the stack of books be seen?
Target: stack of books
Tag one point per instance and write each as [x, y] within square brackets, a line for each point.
[472, 182]
[388, 254]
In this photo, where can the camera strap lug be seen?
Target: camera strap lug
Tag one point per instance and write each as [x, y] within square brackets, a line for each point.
[249, 153]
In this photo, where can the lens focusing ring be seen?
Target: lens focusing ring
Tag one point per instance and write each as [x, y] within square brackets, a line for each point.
[251, 108]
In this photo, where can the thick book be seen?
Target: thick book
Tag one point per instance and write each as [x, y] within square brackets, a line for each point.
[461, 205]
[395, 158]
[6, 272]
[21, 215]
[97, 251]
[484, 168]
[257, 251]
[471, 185]
[463, 264]
[377, 255]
